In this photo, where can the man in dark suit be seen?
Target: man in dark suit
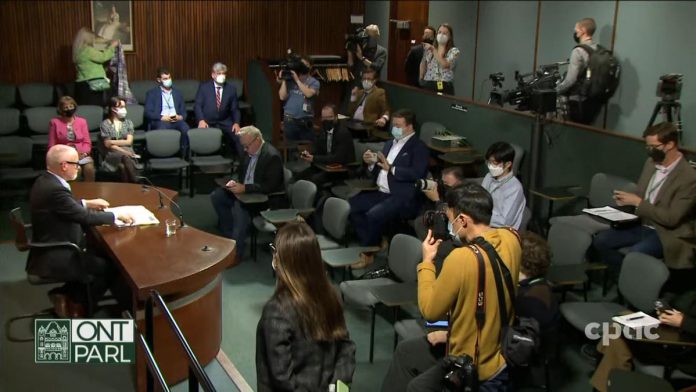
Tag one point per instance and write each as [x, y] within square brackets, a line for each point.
[261, 172]
[396, 169]
[415, 55]
[57, 217]
[666, 204]
[216, 106]
[334, 146]
[165, 107]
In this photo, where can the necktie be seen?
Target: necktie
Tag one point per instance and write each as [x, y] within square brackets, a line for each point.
[218, 96]
[329, 141]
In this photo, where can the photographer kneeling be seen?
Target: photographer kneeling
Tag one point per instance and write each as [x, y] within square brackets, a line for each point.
[469, 209]
[298, 89]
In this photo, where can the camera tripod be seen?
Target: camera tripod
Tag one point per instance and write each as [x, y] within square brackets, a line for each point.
[671, 112]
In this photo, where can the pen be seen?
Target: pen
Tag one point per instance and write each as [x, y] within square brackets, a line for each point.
[635, 318]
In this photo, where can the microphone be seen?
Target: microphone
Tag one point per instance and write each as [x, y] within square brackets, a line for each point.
[163, 195]
[145, 187]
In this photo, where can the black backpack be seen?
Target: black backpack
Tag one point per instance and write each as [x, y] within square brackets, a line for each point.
[601, 77]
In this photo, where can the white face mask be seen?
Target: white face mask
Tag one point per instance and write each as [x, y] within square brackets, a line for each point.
[367, 84]
[495, 170]
[121, 113]
[220, 79]
[442, 38]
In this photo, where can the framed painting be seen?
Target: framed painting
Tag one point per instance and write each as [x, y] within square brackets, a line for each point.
[114, 20]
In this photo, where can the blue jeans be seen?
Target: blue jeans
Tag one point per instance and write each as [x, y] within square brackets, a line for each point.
[370, 212]
[233, 219]
[638, 238]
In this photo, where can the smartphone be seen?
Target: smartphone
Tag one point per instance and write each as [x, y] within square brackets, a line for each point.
[437, 324]
[173, 117]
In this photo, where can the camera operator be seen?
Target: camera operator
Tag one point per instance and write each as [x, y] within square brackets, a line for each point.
[298, 92]
[415, 56]
[469, 209]
[580, 109]
[367, 54]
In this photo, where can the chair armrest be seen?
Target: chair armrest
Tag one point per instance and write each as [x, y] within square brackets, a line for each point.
[305, 212]
[66, 244]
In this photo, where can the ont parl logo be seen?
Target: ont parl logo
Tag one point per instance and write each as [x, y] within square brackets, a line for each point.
[84, 341]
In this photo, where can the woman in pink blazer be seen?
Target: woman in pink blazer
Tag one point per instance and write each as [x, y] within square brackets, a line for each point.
[72, 130]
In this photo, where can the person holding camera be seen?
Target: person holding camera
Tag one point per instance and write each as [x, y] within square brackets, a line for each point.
[366, 54]
[165, 107]
[504, 187]
[439, 60]
[298, 89]
[368, 104]
[453, 293]
[415, 56]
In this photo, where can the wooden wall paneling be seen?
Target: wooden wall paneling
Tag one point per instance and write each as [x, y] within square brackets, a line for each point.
[400, 40]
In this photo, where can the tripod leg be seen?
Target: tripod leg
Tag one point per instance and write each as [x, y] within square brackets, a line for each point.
[656, 110]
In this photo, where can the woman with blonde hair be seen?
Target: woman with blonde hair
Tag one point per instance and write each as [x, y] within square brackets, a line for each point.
[72, 130]
[91, 83]
[302, 342]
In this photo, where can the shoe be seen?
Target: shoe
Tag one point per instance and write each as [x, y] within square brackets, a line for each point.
[60, 303]
[365, 261]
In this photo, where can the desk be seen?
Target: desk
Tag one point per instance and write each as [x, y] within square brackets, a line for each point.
[362, 184]
[558, 193]
[185, 274]
[333, 169]
[446, 150]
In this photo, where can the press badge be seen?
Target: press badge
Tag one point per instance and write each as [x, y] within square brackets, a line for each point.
[440, 85]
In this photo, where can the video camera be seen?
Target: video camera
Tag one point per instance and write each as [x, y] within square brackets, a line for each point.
[669, 87]
[358, 38]
[530, 87]
[293, 62]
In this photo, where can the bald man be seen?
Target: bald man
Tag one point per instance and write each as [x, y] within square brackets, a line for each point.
[57, 216]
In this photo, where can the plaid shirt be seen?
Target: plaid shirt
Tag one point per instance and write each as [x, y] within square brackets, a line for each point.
[120, 72]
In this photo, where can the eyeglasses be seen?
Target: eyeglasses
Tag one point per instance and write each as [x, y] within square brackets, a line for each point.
[73, 163]
[250, 143]
[653, 146]
[273, 248]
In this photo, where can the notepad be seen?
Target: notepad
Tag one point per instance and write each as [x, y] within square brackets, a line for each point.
[610, 214]
[637, 320]
[140, 215]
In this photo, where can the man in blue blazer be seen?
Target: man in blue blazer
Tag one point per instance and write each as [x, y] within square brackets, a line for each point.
[396, 169]
[216, 106]
[165, 108]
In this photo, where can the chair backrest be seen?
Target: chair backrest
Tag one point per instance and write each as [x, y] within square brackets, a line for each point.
[602, 187]
[36, 94]
[8, 92]
[302, 194]
[238, 84]
[621, 380]
[93, 114]
[568, 244]
[163, 143]
[188, 88]
[38, 119]
[205, 141]
[526, 217]
[17, 223]
[641, 279]
[9, 121]
[15, 150]
[405, 252]
[430, 129]
[517, 161]
[139, 89]
[136, 113]
[335, 217]
[287, 176]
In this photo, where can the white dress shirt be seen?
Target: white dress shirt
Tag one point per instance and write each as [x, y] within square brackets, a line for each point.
[397, 145]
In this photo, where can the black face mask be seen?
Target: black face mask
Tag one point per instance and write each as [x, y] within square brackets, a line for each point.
[327, 125]
[657, 155]
[68, 112]
[576, 38]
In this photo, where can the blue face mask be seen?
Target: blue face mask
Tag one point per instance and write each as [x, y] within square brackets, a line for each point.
[397, 132]
[455, 238]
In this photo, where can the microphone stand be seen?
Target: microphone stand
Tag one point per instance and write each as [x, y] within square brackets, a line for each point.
[151, 185]
[163, 195]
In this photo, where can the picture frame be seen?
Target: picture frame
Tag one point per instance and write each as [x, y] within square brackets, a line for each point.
[113, 19]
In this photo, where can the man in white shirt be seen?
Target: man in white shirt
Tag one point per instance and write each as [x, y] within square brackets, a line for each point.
[395, 169]
[504, 187]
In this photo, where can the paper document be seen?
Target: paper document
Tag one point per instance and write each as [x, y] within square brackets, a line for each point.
[637, 320]
[610, 214]
[140, 215]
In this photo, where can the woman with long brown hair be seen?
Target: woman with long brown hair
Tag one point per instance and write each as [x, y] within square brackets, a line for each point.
[439, 59]
[302, 342]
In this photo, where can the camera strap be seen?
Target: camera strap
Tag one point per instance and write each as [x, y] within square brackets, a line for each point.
[480, 312]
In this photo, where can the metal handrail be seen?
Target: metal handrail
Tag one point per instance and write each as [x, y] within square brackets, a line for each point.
[152, 367]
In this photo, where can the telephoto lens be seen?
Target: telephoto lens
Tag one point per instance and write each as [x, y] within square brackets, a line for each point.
[425, 184]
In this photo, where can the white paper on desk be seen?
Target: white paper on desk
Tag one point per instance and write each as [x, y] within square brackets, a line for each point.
[637, 320]
[140, 215]
[610, 214]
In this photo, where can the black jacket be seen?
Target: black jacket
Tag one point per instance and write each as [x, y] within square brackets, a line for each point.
[412, 65]
[342, 148]
[57, 216]
[268, 174]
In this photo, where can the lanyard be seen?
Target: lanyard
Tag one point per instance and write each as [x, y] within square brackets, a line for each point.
[653, 187]
[501, 184]
[168, 100]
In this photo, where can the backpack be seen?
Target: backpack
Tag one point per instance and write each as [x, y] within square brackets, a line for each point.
[601, 75]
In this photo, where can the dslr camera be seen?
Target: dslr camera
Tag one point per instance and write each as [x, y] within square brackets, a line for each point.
[358, 38]
[461, 374]
[437, 222]
[425, 184]
[293, 62]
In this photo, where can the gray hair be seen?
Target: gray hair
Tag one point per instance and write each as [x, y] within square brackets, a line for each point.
[251, 130]
[57, 154]
[219, 67]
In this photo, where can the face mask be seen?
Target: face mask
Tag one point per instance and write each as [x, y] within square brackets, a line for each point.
[657, 155]
[576, 38]
[121, 113]
[327, 125]
[69, 112]
[397, 132]
[495, 170]
[453, 235]
[167, 83]
[220, 79]
[367, 84]
[442, 39]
